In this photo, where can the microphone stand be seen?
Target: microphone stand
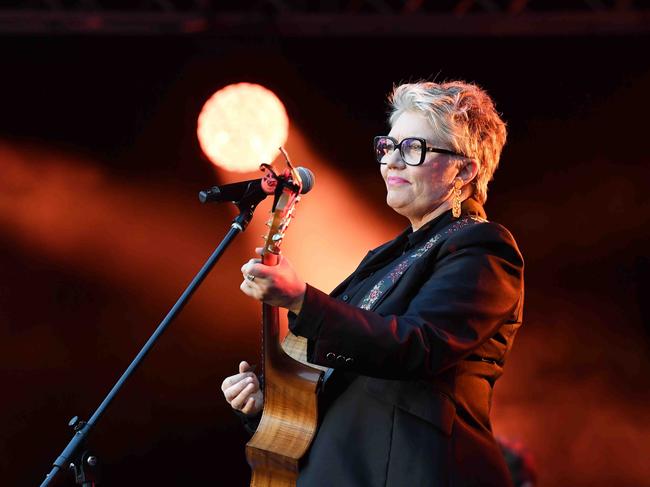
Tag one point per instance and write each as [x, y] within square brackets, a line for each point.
[85, 465]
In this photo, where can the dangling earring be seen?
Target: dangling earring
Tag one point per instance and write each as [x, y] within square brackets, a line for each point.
[455, 208]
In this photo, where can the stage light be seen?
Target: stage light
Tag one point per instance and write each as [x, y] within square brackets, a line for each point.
[241, 126]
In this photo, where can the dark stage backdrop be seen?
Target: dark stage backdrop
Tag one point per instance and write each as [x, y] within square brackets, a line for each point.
[100, 231]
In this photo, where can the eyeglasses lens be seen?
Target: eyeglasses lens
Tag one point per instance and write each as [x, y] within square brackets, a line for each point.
[411, 150]
[383, 147]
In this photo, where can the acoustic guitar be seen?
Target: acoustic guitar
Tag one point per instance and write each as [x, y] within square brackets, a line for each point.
[289, 418]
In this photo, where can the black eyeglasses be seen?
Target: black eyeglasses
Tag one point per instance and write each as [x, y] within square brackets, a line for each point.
[412, 149]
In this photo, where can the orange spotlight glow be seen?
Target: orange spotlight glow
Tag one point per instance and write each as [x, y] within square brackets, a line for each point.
[241, 126]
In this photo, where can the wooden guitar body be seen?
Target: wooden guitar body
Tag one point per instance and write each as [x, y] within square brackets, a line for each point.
[288, 423]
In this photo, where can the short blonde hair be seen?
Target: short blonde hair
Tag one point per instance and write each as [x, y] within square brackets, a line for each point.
[464, 115]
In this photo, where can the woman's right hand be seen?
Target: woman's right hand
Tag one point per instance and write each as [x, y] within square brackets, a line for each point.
[242, 391]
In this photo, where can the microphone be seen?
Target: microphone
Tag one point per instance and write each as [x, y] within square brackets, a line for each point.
[259, 187]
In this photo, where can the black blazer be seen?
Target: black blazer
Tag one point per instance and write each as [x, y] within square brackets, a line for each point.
[409, 401]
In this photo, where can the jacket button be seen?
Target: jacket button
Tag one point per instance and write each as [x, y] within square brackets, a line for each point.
[340, 359]
[349, 361]
[330, 356]
[345, 297]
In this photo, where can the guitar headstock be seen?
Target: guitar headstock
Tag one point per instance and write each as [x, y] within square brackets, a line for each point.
[287, 195]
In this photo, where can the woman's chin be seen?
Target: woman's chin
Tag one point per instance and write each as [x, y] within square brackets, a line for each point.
[398, 197]
[397, 203]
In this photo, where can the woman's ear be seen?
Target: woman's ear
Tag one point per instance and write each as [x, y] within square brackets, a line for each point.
[468, 170]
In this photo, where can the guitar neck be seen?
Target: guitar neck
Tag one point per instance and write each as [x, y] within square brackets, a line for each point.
[271, 346]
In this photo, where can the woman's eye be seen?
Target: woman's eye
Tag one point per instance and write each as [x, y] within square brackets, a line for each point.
[415, 147]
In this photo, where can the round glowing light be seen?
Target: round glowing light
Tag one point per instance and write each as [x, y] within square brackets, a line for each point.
[242, 126]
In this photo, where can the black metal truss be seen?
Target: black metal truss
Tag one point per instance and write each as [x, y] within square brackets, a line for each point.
[326, 18]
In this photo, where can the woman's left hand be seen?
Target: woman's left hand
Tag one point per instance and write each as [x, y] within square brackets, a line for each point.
[277, 285]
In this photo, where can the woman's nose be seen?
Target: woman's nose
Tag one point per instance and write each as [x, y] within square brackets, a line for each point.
[394, 160]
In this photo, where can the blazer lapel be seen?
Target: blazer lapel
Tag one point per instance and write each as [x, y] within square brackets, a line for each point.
[374, 258]
[390, 282]
[401, 267]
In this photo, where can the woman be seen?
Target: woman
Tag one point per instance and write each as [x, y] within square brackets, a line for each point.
[419, 333]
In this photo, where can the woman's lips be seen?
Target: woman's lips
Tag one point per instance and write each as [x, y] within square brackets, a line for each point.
[396, 181]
